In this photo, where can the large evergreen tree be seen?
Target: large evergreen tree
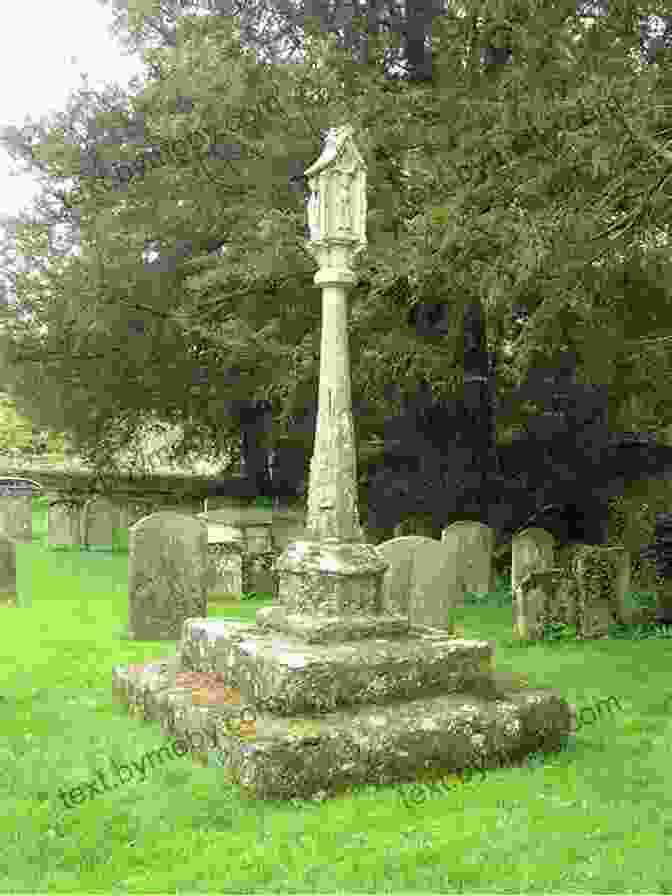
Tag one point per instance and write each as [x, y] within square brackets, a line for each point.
[488, 190]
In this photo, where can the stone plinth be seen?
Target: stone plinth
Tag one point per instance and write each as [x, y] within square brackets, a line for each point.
[287, 676]
[273, 756]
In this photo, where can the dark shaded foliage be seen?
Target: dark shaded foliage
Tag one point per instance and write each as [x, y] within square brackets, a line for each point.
[660, 549]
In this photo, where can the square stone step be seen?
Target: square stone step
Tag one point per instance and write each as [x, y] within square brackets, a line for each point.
[283, 675]
[280, 757]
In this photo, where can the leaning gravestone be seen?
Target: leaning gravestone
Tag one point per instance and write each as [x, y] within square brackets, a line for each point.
[7, 572]
[167, 575]
[473, 544]
[532, 550]
[421, 581]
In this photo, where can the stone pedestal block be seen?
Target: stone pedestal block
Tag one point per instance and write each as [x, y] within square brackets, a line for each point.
[358, 728]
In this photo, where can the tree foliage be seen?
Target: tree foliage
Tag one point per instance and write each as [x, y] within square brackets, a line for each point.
[530, 186]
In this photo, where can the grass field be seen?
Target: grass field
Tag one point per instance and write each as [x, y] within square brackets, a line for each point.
[596, 817]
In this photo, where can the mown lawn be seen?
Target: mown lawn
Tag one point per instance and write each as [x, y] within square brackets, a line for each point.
[596, 817]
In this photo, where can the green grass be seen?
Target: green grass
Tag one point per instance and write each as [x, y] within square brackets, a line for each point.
[596, 817]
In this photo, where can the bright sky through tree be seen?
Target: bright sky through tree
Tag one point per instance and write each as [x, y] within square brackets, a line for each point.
[43, 50]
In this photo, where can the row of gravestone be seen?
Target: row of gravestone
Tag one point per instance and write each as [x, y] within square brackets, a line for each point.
[171, 572]
[170, 575]
[91, 522]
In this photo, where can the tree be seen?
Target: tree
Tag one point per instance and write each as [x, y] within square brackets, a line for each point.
[445, 227]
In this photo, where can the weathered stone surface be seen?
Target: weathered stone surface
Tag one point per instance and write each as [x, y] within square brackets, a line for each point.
[422, 580]
[64, 522]
[541, 598]
[602, 575]
[16, 517]
[276, 757]
[472, 544]
[167, 575]
[241, 556]
[285, 675]
[532, 550]
[586, 590]
[102, 520]
[8, 596]
[288, 526]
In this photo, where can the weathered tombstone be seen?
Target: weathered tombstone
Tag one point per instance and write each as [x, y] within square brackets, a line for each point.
[167, 575]
[241, 551]
[16, 507]
[421, 580]
[541, 597]
[472, 543]
[288, 526]
[132, 511]
[103, 519]
[64, 522]
[602, 575]
[226, 547]
[8, 596]
[532, 550]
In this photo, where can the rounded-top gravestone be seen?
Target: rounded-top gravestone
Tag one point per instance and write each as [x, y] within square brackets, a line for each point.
[167, 575]
[421, 582]
[473, 544]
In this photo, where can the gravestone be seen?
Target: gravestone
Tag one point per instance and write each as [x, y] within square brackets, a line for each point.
[602, 576]
[16, 517]
[132, 511]
[226, 547]
[167, 575]
[541, 597]
[16, 507]
[64, 523]
[8, 596]
[241, 551]
[472, 543]
[421, 581]
[532, 550]
[102, 520]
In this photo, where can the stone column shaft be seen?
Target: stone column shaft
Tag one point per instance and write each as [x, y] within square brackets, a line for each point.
[332, 495]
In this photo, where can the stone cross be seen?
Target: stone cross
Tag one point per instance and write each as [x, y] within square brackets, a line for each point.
[330, 580]
[337, 221]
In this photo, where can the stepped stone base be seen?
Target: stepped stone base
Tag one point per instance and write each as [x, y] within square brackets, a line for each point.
[284, 675]
[453, 712]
